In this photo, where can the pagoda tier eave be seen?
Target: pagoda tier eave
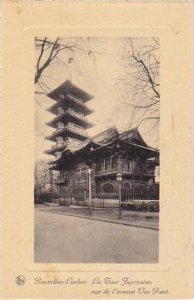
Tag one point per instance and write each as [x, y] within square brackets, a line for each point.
[67, 132]
[48, 152]
[54, 169]
[71, 116]
[52, 151]
[85, 110]
[56, 97]
[54, 166]
[68, 102]
[68, 87]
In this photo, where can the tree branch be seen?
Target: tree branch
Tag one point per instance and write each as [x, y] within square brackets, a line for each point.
[145, 69]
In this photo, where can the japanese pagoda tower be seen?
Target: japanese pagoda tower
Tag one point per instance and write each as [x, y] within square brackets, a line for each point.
[70, 121]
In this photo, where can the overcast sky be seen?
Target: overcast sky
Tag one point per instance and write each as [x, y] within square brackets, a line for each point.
[98, 75]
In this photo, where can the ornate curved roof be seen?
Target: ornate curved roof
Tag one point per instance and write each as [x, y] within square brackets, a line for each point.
[68, 87]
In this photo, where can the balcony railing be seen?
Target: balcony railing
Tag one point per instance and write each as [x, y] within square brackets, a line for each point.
[79, 115]
[76, 99]
[113, 166]
[121, 165]
[75, 127]
[70, 110]
[71, 127]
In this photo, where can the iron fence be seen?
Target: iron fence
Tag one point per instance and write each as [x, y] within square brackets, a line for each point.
[80, 198]
[141, 192]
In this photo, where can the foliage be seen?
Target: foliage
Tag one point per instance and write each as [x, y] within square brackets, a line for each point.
[152, 206]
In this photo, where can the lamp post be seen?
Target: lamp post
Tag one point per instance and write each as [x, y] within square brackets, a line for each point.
[90, 190]
[119, 180]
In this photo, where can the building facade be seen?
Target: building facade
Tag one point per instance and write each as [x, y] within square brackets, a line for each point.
[106, 155]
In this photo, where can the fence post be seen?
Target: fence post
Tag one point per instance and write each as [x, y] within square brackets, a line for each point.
[90, 191]
[132, 189]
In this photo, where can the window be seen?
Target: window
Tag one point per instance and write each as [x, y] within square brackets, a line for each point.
[60, 110]
[130, 165]
[57, 154]
[60, 125]
[157, 174]
[59, 140]
[65, 175]
[135, 165]
[62, 96]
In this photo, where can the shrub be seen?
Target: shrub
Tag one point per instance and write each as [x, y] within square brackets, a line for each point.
[151, 206]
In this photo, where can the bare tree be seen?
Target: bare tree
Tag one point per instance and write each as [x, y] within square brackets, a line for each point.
[42, 174]
[141, 81]
[60, 50]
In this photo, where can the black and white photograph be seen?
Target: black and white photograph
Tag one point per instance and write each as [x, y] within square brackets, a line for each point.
[97, 156]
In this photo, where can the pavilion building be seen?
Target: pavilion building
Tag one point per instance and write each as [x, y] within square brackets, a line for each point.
[106, 155]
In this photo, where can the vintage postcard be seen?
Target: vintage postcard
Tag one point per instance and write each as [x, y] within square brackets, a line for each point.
[97, 156]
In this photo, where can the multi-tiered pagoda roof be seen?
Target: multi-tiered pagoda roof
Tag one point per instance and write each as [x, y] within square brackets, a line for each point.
[70, 112]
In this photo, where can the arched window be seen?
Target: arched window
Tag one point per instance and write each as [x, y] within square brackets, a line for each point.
[127, 185]
[108, 188]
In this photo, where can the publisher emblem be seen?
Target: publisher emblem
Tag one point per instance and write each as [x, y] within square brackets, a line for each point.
[20, 280]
